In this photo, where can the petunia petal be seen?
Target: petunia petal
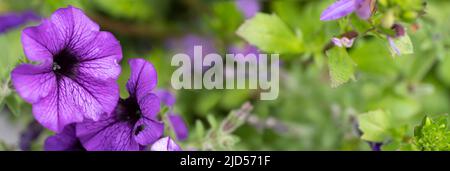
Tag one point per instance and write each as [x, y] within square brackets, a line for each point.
[65, 28]
[64, 141]
[33, 82]
[76, 99]
[165, 144]
[179, 126]
[147, 131]
[107, 135]
[143, 78]
[364, 11]
[339, 9]
[99, 55]
[149, 105]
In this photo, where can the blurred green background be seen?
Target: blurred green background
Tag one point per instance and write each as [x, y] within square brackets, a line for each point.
[308, 115]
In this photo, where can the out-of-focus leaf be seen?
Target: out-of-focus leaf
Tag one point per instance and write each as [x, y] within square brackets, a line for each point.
[270, 34]
[341, 66]
[375, 125]
[11, 52]
[401, 46]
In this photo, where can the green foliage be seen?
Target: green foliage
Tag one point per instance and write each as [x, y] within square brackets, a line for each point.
[376, 125]
[270, 34]
[342, 67]
[433, 134]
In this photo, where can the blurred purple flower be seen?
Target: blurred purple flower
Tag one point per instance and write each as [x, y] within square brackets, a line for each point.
[76, 77]
[375, 146]
[176, 121]
[31, 133]
[133, 125]
[187, 43]
[342, 8]
[13, 20]
[244, 50]
[64, 141]
[166, 97]
[179, 126]
[248, 7]
[165, 144]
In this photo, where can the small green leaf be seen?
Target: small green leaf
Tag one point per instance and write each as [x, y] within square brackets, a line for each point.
[342, 67]
[401, 46]
[433, 134]
[270, 34]
[375, 125]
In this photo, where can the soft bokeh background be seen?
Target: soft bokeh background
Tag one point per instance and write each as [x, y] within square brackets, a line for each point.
[308, 114]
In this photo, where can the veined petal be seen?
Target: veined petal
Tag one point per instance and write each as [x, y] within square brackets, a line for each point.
[146, 131]
[339, 9]
[149, 105]
[165, 144]
[108, 134]
[65, 28]
[143, 78]
[99, 56]
[75, 99]
[33, 82]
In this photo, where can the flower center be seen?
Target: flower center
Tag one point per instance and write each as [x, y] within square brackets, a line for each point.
[130, 111]
[64, 62]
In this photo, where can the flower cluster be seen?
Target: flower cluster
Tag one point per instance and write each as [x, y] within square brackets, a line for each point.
[385, 26]
[73, 87]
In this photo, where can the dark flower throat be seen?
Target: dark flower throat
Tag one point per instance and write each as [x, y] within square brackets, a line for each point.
[64, 63]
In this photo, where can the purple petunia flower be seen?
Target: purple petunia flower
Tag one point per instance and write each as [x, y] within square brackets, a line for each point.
[341, 8]
[248, 7]
[165, 144]
[77, 71]
[64, 141]
[133, 125]
[12, 20]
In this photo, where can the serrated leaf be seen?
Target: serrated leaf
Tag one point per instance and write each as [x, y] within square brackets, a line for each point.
[341, 66]
[375, 125]
[270, 34]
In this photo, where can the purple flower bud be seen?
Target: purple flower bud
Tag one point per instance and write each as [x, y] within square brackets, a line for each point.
[399, 30]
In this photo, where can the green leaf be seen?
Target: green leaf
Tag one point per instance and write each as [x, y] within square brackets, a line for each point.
[270, 34]
[403, 46]
[11, 53]
[433, 134]
[375, 125]
[342, 67]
